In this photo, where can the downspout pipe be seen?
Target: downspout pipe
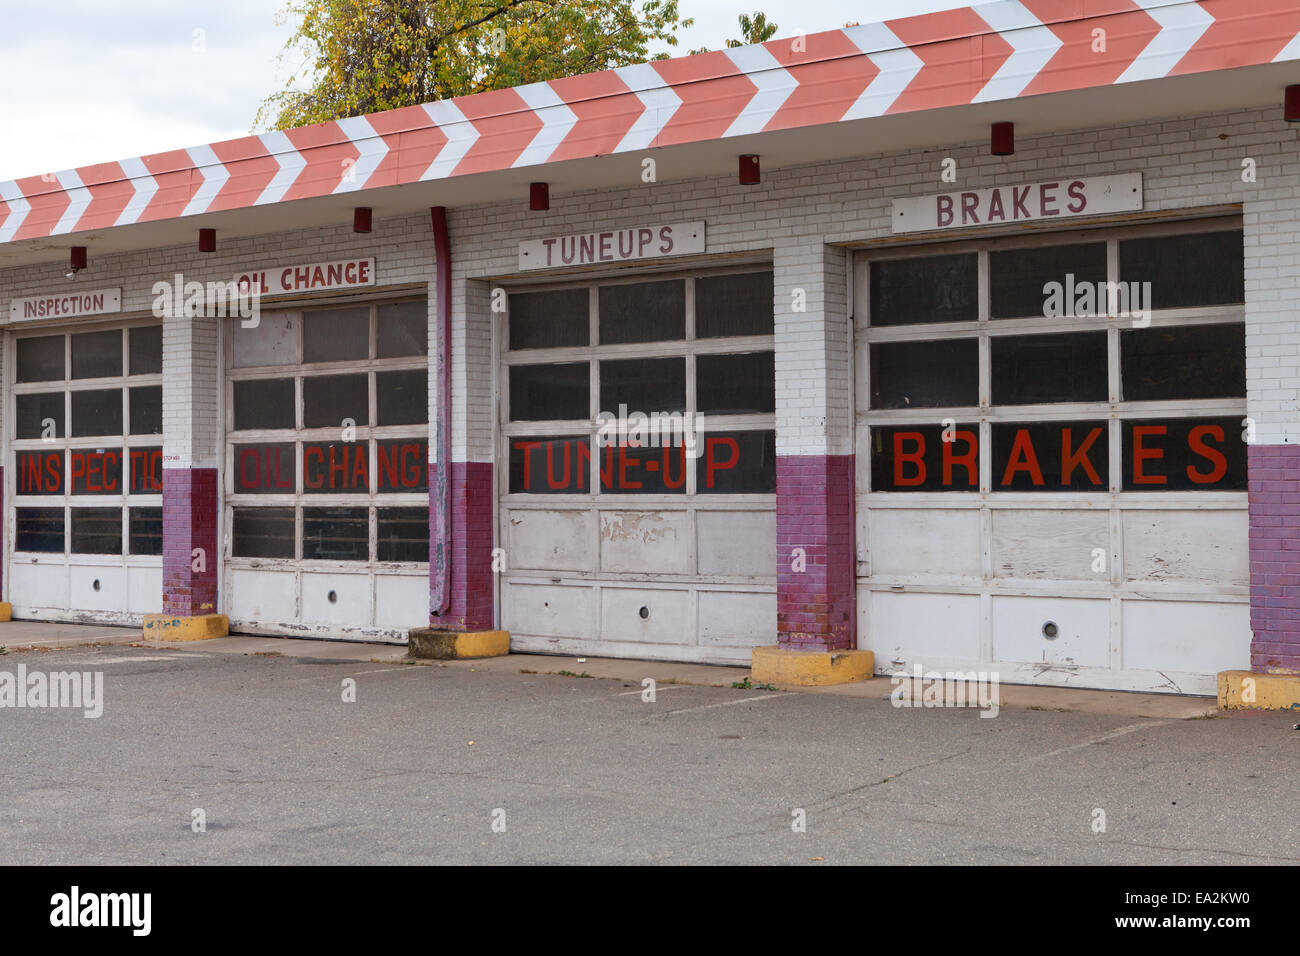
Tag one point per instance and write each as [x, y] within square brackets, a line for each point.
[440, 490]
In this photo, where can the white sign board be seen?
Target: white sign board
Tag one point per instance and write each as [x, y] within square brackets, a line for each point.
[66, 305]
[313, 277]
[1055, 199]
[617, 245]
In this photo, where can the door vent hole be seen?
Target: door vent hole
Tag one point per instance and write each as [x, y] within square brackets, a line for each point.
[644, 612]
[1050, 631]
[333, 597]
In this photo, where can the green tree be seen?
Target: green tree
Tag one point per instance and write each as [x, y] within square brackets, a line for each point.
[364, 56]
[755, 29]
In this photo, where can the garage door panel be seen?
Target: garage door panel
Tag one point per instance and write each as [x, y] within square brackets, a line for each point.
[144, 590]
[911, 627]
[262, 595]
[98, 588]
[737, 543]
[1187, 545]
[1083, 631]
[549, 540]
[1052, 545]
[1199, 636]
[910, 541]
[645, 542]
[650, 616]
[546, 610]
[38, 585]
[733, 619]
[401, 601]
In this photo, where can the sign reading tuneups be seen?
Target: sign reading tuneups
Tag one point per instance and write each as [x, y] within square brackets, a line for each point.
[313, 277]
[1055, 199]
[615, 245]
[66, 305]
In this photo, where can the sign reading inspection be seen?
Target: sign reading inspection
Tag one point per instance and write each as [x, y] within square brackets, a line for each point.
[616, 245]
[1057, 199]
[66, 305]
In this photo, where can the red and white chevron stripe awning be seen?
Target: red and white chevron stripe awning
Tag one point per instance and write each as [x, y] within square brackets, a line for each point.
[992, 53]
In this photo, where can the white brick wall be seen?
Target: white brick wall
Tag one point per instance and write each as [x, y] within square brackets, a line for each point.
[793, 215]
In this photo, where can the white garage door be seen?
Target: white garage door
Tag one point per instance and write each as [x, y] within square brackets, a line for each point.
[1045, 489]
[326, 477]
[619, 539]
[85, 478]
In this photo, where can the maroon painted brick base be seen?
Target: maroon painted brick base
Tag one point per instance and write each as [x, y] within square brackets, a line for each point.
[189, 522]
[1274, 558]
[816, 607]
[471, 585]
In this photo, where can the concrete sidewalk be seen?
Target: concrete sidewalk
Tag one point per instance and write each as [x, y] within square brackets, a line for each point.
[29, 636]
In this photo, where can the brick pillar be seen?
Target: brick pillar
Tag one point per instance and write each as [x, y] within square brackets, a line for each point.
[472, 586]
[816, 561]
[191, 555]
[1272, 229]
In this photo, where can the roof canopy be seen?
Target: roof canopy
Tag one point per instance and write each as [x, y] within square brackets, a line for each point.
[915, 82]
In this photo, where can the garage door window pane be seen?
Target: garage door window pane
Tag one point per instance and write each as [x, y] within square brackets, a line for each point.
[402, 398]
[335, 534]
[401, 465]
[925, 374]
[336, 467]
[736, 384]
[541, 393]
[97, 354]
[916, 458]
[550, 466]
[144, 471]
[273, 341]
[933, 289]
[1028, 369]
[643, 385]
[95, 472]
[734, 305]
[38, 530]
[642, 312]
[734, 463]
[145, 530]
[146, 410]
[1017, 276]
[328, 399]
[35, 411]
[263, 403]
[265, 469]
[96, 530]
[1187, 271]
[1197, 454]
[336, 335]
[146, 349]
[403, 534]
[41, 359]
[1051, 456]
[262, 533]
[39, 472]
[97, 412]
[403, 329]
[545, 320]
[1192, 361]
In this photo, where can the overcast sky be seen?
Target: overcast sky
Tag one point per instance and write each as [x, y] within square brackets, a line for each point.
[104, 81]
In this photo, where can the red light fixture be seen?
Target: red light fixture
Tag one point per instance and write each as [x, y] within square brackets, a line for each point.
[77, 261]
[361, 219]
[1292, 108]
[750, 174]
[1004, 139]
[207, 240]
[539, 197]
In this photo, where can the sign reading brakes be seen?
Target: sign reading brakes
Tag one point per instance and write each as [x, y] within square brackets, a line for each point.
[615, 245]
[1058, 199]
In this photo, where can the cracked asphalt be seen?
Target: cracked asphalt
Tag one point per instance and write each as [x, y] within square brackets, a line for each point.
[584, 771]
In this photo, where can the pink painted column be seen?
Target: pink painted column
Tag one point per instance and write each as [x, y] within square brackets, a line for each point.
[816, 605]
[472, 584]
[190, 555]
[1274, 558]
